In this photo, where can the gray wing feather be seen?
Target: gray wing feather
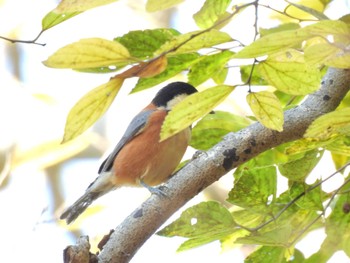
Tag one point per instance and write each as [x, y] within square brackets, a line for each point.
[135, 126]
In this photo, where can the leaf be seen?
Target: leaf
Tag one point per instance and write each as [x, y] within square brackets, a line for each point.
[279, 236]
[312, 200]
[255, 190]
[276, 42]
[207, 66]
[315, 13]
[90, 108]
[329, 125]
[192, 108]
[88, 53]
[143, 43]
[266, 109]
[202, 223]
[279, 28]
[273, 43]
[67, 6]
[175, 65]
[210, 13]
[212, 127]
[146, 69]
[67, 9]
[53, 18]
[299, 169]
[157, 5]
[193, 41]
[267, 254]
[288, 72]
[254, 77]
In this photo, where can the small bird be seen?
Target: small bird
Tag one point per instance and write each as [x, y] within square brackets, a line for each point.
[139, 159]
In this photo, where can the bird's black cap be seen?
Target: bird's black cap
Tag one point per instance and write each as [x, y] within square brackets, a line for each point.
[172, 90]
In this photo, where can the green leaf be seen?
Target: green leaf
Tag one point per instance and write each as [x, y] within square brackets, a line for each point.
[143, 43]
[279, 236]
[212, 127]
[207, 66]
[220, 76]
[341, 145]
[192, 108]
[288, 72]
[267, 109]
[89, 53]
[337, 230]
[193, 41]
[202, 223]
[53, 18]
[254, 77]
[299, 169]
[329, 125]
[211, 12]
[255, 189]
[312, 200]
[267, 254]
[90, 108]
[176, 65]
[157, 5]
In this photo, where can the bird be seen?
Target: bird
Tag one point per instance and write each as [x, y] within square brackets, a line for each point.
[140, 158]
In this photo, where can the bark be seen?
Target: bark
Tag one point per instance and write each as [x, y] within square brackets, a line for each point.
[233, 150]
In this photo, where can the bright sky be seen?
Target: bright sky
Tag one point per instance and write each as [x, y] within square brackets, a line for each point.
[33, 108]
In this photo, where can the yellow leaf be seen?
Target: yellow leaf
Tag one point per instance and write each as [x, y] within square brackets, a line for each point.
[192, 108]
[272, 43]
[288, 72]
[89, 53]
[80, 5]
[267, 109]
[90, 108]
[330, 125]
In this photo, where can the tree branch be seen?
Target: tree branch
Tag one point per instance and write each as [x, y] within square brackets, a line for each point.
[235, 149]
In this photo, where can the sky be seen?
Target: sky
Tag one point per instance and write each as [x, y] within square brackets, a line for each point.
[34, 102]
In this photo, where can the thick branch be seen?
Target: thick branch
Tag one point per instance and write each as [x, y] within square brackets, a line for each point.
[235, 149]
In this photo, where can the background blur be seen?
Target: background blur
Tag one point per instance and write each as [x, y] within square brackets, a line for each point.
[38, 176]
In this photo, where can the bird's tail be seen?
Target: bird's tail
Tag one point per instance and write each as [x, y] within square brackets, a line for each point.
[72, 212]
[99, 187]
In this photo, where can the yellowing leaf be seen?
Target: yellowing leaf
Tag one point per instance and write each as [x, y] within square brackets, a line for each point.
[90, 108]
[272, 43]
[53, 18]
[193, 41]
[157, 5]
[192, 108]
[329, 125]
[80, 5]
[288, 72]
[211, 12]
[267, 109]
[89, 53]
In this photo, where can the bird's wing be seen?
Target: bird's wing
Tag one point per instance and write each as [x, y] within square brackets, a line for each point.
[135, 127]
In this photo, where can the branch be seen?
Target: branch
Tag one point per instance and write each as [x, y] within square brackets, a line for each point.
[235, 149]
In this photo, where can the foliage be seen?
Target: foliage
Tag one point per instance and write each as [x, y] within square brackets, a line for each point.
[287, 62]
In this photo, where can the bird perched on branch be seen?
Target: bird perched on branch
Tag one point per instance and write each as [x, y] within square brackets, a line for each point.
[140, 159]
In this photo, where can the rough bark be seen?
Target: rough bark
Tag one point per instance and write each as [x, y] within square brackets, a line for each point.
[208, 167]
